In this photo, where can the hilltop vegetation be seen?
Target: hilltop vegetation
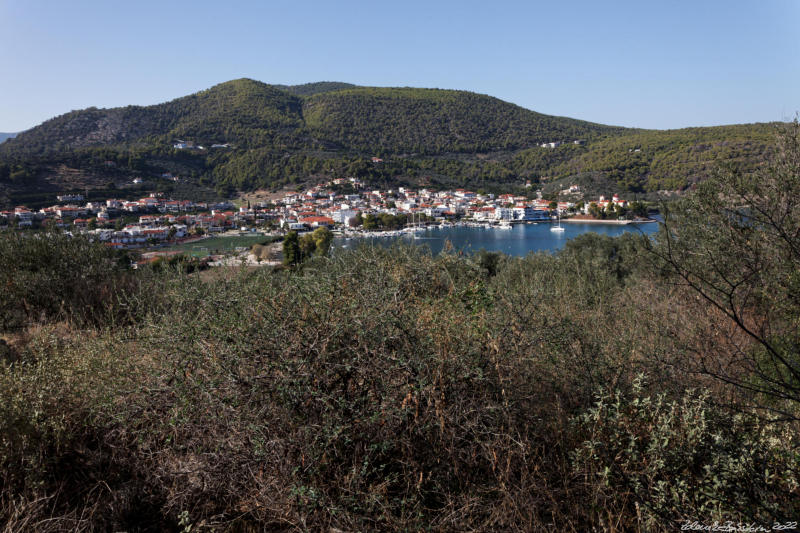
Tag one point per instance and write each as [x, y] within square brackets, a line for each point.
[433, 121]
[242, 111]
[307, 89]
[620, 384]
[279, 136]
[250, 113]
[656, 160]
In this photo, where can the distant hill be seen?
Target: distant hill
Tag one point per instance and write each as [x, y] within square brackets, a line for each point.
[254, 114]
[4, 136]
[277, 136]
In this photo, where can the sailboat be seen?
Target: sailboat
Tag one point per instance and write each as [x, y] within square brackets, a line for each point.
[415, 228]
[558, 226]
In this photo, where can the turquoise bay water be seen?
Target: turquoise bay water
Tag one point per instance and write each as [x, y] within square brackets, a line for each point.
[518, 241]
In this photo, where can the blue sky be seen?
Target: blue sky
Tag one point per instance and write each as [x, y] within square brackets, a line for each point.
[666, 64]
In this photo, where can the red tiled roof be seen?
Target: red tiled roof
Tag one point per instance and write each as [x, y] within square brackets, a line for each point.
[311, 220]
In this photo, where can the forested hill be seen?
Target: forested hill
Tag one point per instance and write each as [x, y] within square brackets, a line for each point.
[5, 136]
[435, 121]
[256, 115]
[241, 111]
[271, 136]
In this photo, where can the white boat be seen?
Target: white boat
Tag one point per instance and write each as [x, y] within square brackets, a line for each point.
[558, 226]
[505, 225]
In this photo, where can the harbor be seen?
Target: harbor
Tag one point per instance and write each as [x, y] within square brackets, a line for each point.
[517, 239]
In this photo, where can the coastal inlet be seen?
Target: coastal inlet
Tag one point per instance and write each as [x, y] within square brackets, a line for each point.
[517, 240]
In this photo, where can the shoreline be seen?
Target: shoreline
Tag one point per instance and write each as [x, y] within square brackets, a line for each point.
[611, 222]
[487, 225]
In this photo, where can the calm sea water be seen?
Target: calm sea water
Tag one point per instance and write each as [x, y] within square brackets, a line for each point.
[519, 240]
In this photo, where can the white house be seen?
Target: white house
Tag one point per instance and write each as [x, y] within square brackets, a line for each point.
[524, 213]
[24, 216]
[344, 216]
[503, 213]
[70, 198]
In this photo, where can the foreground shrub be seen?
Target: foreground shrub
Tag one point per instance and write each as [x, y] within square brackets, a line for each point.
[675, 461]
[735, 244]
[53, 276]
[379, 389]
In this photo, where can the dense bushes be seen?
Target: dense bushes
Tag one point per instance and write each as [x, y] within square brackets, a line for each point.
[378, 389]
[672, 461]
[368, 391]
[51, 276]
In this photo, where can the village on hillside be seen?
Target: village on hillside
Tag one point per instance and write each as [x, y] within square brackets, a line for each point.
[155, 219]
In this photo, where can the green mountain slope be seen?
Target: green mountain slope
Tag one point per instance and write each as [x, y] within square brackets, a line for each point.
[392, 120]
[254, 114]
[241, 111]
[655, 160]
[279, 136]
